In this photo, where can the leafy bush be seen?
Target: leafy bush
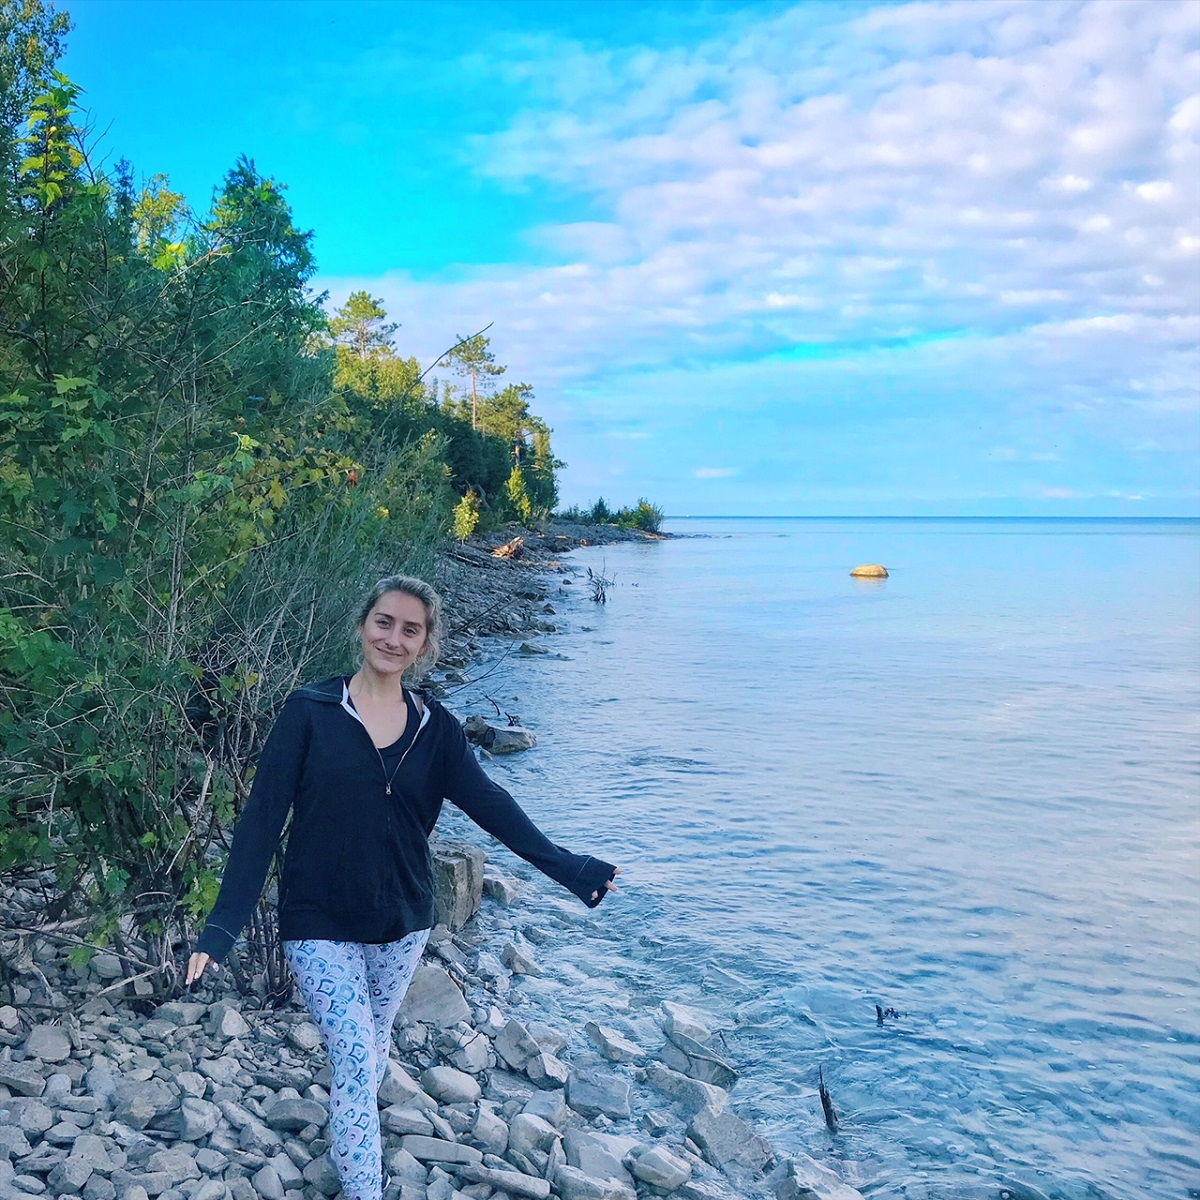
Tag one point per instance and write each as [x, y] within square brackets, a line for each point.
[645, 516]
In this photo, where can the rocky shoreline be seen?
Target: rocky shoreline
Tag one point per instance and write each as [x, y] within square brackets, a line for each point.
[210, 1098]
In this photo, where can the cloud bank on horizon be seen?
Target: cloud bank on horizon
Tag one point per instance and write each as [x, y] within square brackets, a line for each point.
[929, 257]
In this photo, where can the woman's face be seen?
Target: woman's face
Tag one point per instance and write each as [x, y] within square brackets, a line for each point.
[394, 634]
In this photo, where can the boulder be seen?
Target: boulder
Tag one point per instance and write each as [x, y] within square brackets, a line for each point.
[448, 1085]
[692, 1094]
[660, 1168]
[684, 1054]
[803, 1178]
[181, 1012]
[436, 1150]
[593, 1095]
[23, 1078]
[515, 1045]
[509, 1183]
[49, 1043]
[69, 1177]
[599, 1155]
[434, 998]
[678, 1019]
[573, 1184]
[870, 571]
[458, 881]
[225, 1021]
[399, 1087]
[612, 1045]
[293, 1114]
[726, 1140]
[498, 739]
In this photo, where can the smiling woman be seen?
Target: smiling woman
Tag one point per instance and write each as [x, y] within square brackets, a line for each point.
[362, 766]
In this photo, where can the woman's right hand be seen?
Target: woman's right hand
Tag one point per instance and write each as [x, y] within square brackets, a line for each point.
[196, 966]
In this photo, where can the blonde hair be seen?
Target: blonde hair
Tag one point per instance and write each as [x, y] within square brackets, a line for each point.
[419, 590]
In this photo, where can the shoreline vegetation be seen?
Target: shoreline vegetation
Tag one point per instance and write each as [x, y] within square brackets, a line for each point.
[111, 1091]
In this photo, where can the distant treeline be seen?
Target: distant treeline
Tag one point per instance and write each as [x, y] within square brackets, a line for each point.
[643, 515]
[199, 471]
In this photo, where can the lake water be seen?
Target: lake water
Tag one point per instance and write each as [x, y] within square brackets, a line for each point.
[969, 792]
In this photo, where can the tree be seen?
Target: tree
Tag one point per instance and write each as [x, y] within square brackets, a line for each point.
[361, 324]
[472, 359]
[31, 42]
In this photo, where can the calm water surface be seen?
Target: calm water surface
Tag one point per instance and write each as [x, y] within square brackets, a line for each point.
[970, 792]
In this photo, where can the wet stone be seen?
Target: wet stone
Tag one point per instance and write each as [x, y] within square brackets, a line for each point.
[593, 1095]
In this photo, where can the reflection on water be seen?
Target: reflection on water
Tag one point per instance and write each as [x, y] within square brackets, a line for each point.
[968, 792]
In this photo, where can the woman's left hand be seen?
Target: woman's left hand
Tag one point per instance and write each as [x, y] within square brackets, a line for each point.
[608, 887]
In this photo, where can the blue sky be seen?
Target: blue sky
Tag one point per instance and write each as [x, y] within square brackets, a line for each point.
[930, 258]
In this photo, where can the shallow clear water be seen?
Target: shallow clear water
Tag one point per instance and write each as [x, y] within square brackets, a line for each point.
[970, 792]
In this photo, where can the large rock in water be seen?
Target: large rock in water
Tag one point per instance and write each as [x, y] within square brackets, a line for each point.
[457, 881]
[433, 997]
[870, 571]
[498, 739]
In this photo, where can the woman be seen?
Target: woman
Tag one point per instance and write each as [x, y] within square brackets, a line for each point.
[363, 765]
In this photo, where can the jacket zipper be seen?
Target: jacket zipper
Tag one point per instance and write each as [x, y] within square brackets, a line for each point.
[387, 779]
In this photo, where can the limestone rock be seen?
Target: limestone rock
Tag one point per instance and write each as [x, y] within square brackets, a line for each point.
[870, 571]
[803, 1178]
[573, 1184]
[547, 1071]
[434, 998]
[598, 1155]
[500, 888]
[398, 1119]
[293, 1114]
[678, 1019]
[435, 1150]
[458, 881]
[509, 1183]
[448, 1085]
[399, 1087]
[661, 1169]
[726, 1140]
[30, 1115]
[515, 1045]
[227, 1022]
[181, 1012]
[528, 1132]
[323, 1176]
[305, 1037]
[612, 1045]
[684, 1054]
[593, 1094]
[49, 1043]
[488, 1132]
[692, 1094]
[23, 1079]
[518, 962]
[498, 739]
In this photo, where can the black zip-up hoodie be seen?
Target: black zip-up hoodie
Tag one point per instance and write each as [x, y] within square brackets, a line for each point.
[357, 866]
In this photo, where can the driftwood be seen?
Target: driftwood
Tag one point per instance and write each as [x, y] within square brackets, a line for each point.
[513, 549]
[826, 1101]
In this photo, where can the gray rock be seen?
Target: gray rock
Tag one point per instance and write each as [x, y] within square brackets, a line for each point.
[305, 1037]
[176, 1163]
[573, 1184]
[13, 1142]
[397, 1119]
[225, 1021]
[679, 1019]
[196, 1119]
[515, 1045]
[99, 1188]
[323, 1176]
[691, 1093]
[488, 1131]
[138, 1102]
[22, 1079]
[50, 1043]
[472, 1054]
[435, 999]
[62, 1134]
[70, 1176]
[10, 1019]
[528, 1133]
[509, 1183]
[192, 1083]
[222, 1071]
[289, 1173]
[268, 1184]
[101, 1081]
[181, 1012]
[293, 1114]
[598, 1155]
[399, 1087]
[450, 1086]
[500, 888]
[259, 1138]
[547, 1071]
[726, 1140]
[458, 881]
[660, 1168]
[593, 1095]
[613, 1045]
[30, 1115]
[211, 1162]
[549, 1105]
[518, 962]
[106, 967]
[691, 1058]
[210, 1189]
[803, 1178]
[498, 739]
[435, 1150]
[94, 1150]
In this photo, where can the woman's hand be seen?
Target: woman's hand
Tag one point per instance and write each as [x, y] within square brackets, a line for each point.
[200, 960]
[609, 886]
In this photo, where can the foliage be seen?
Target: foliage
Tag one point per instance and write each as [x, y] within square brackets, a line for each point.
[472, 359]
[518, 495]
[466, 515]
[645, 516]
[361, 325]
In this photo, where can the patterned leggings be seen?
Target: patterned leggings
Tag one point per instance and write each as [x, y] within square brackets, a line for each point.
[354, 992]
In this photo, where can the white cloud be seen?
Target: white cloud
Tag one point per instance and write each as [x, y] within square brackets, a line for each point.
[714, 472]
[1027, 174]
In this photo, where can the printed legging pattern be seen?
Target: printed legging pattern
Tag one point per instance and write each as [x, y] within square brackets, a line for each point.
[354, 992]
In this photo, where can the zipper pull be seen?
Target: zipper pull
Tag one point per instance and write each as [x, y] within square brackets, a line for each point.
[387, 791]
